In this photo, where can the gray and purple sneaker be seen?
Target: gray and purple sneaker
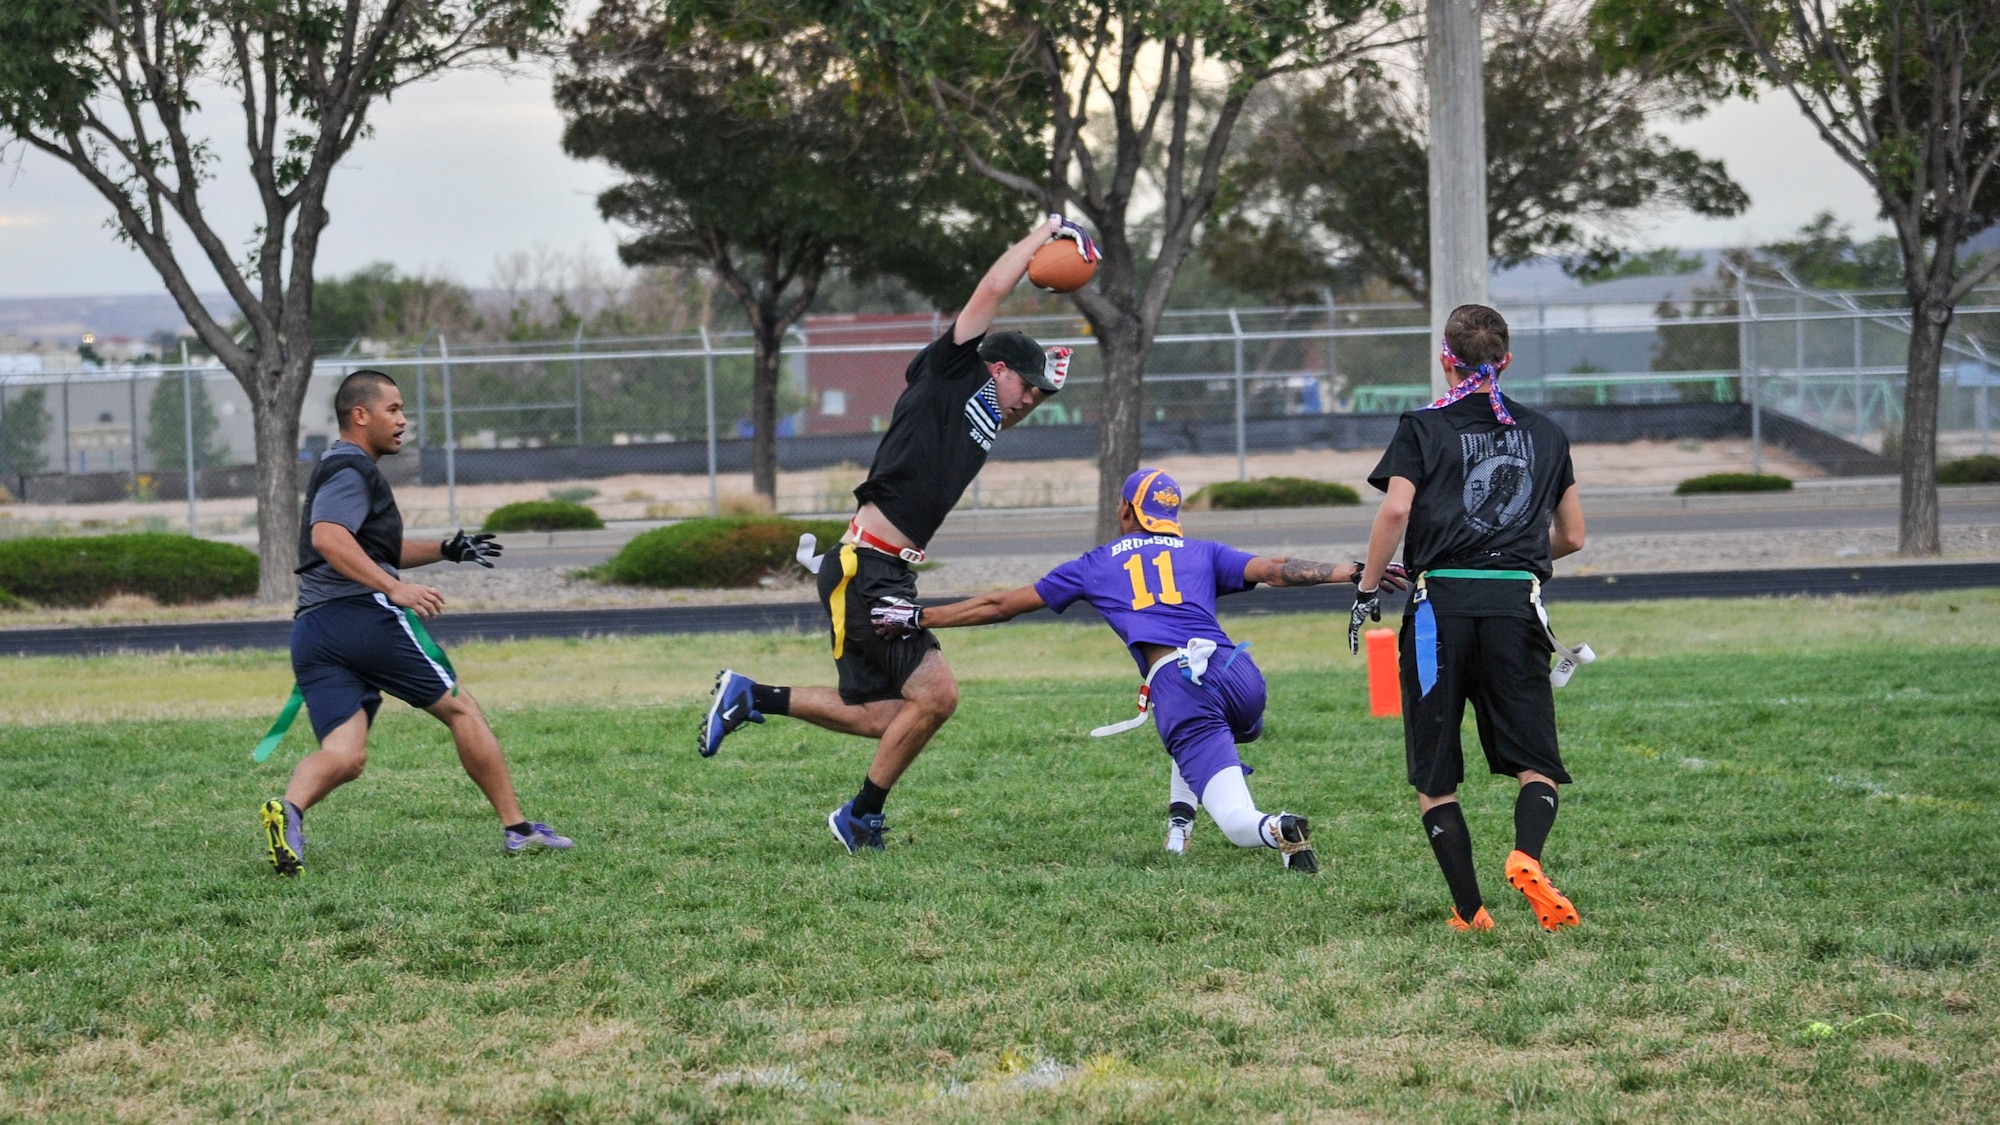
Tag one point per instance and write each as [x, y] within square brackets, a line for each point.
[285, 831]
[538, 835]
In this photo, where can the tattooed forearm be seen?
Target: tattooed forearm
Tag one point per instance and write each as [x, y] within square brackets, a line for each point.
[1305, 572]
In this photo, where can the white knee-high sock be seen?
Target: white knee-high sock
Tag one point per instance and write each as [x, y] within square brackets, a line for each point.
[1179, 792]
[1227, 800]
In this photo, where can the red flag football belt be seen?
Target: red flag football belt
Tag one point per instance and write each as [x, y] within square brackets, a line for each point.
[909, 555]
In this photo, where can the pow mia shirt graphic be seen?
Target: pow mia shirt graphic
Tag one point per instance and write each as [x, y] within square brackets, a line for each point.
[1485, 492]
[1499, 477]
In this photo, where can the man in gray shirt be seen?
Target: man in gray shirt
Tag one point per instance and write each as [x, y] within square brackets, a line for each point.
[358, 631]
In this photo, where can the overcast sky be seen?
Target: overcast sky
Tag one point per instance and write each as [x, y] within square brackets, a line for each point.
[469, 169]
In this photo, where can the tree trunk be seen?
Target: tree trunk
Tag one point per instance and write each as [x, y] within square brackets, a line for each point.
[1917, 528]
[275, 402]
[764, 411]
[1122, 352]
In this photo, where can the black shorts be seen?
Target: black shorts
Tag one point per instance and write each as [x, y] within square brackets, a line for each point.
[1501, 666]
[851, 580]
[347, 652]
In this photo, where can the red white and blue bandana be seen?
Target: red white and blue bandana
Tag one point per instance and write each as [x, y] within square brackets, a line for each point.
[1471, 381]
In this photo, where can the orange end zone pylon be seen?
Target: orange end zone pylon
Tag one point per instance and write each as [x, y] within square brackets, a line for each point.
[1385, 694]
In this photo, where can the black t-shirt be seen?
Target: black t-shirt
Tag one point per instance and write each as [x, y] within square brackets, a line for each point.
[943, 425]
[1485, 493]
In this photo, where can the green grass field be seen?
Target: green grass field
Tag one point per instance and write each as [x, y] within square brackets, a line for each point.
[1782, 841]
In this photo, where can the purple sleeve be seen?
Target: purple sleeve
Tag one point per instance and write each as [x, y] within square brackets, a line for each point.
[1229, 566]
[1064, 586]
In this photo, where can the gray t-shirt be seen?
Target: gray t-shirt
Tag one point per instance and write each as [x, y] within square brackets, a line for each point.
[343, 499]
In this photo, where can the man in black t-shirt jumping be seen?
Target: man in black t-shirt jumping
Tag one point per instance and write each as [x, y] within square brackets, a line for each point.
[962, 390]
[1485, 489]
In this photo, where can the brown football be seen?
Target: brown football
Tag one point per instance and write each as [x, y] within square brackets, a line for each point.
[1059, 267]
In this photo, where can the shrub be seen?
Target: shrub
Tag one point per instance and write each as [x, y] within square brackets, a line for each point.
[575, 495]
[85, 570]
[543, 515]
[1983, 469]
[1734, 482]
[1273, 492]
[732, 551]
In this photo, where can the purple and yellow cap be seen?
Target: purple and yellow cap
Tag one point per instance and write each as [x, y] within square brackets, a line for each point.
[1155, 500]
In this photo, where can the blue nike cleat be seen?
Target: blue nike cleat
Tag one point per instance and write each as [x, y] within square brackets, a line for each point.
[728, 708]
[538, 835]
[285, 832]
[855, 832]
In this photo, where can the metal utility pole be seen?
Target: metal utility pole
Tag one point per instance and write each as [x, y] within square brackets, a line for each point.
[450, 437]
[187, 432]
[708, 390]
[1454, 72]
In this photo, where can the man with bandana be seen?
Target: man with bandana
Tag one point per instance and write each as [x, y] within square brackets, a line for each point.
[1485, 491]
[1157, 589]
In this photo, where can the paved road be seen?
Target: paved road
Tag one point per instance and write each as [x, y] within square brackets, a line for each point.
[1068, 531]
[806, 616]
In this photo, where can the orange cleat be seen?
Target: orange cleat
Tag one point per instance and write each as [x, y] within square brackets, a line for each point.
[1552, 910]
[1480, 920]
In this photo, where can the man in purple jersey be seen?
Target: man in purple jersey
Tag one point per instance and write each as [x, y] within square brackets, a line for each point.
[1157, 590]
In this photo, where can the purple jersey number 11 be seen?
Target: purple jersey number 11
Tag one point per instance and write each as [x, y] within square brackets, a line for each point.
[1143, 597]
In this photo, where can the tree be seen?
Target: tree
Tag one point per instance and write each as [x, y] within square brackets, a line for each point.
[167, 424]
[755, 148]
[23, 429]
[378, 303]
[1122, 112]
[1824, 255]
[1570, 163]
[1904, 92]
[117, 92]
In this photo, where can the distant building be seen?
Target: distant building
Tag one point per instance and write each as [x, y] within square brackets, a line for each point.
[852, 388]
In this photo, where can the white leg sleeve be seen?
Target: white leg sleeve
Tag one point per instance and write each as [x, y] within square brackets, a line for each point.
[1227, 800]
[1179, 792]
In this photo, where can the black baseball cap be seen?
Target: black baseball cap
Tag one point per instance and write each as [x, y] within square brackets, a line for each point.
[1020, 352]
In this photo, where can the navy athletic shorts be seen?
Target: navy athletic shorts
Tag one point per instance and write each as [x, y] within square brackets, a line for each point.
[347, 652]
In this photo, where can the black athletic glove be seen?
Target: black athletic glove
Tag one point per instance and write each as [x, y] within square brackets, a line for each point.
[478, 547]
[896, 618]
[1367, 607]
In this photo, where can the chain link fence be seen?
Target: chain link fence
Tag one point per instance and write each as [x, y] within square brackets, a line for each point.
[657, 427]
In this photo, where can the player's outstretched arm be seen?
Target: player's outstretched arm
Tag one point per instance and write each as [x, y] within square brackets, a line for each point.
[1566, 529]
[1281, 571]
[984, 609]
[1001, 278]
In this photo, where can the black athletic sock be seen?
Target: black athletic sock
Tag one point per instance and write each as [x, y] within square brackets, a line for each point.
[767, 700]
[1180, 810]
[521, 829]
[1445, 825]
[870, 799]
[1534, 815]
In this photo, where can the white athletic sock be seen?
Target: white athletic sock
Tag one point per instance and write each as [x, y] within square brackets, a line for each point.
[1179, 792]
[1227, 800]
